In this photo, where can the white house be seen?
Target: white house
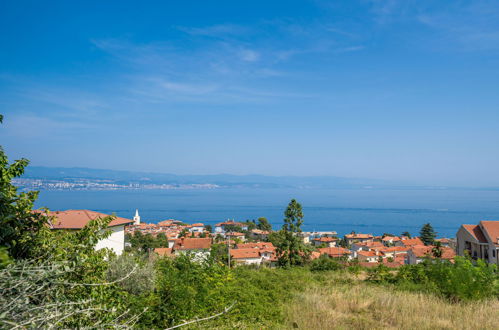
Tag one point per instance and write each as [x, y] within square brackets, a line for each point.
[197, 228]
[479, 241]
[199, 248]
[248, 256]
[77, 219]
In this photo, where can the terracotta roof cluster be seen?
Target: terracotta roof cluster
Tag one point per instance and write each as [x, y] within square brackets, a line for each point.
[391, 238]
[77, 219]
[359, 236]
[421, 251]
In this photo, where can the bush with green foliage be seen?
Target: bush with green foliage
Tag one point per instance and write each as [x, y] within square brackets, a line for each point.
[324, 263]
[461, 280]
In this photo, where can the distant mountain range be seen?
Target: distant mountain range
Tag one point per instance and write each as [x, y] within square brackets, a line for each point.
[124, 179]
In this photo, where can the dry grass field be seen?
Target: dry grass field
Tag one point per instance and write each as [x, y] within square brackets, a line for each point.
[348, 303]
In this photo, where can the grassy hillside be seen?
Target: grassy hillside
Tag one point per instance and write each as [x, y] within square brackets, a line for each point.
[341, 300]
[344, 302]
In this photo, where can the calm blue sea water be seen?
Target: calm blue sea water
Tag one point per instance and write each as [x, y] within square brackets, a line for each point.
[342, 210]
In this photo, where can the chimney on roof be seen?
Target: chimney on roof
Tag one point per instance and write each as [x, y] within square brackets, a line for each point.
[136, 218]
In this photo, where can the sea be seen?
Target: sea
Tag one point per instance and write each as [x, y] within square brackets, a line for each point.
[362, 210]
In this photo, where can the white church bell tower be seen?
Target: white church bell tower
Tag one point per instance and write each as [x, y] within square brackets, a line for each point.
[136, 218]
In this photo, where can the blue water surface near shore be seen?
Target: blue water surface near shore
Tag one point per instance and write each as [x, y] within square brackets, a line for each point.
[363, 210]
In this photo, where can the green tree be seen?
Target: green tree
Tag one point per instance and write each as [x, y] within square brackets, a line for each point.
[263, 224]
[291, 249]
[406, 234]
[427, 234]
[250, 224]
[208, 228]
[437, 250]
[19, 225]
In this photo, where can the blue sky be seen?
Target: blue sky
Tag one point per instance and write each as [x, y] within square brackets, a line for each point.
[397, 90]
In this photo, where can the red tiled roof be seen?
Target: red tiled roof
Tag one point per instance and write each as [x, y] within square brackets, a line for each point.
[367, 253]
[325, 239]
[492, 230]
[360, 236]
[244, 253]
[391, 238]
[77, 219]
[476, 232]
[199, 224]
[334, 251]
[258, 245]
[412, 241]
[186, 243]
[421, 251]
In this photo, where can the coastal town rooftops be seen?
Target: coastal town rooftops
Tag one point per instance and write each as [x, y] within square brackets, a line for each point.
[391, 238]
[325, 239]
[185, 243]
[77, 219]
[244, 253]
[359, 236]
[421, 251]
[258, 245]
[199, 224]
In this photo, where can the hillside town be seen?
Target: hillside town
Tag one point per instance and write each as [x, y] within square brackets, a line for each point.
[248, 245]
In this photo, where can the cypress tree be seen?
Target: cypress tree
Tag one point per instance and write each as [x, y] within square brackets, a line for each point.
[427, 234]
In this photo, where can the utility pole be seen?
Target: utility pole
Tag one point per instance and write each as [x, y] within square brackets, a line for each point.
[228, 249]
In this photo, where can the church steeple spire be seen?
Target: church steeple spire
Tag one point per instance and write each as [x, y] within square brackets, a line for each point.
[136, 218]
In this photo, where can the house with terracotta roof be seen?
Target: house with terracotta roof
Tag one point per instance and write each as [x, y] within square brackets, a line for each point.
[418, 253]
[77, 219]
[368, 256]
[335, 252]
[328, 241]
[408, 242]
[196, 228]
[247, 256]
[234, 235]
[480, 241]
[367, 246]
[390, 240]
[199, 248]
[358, 238]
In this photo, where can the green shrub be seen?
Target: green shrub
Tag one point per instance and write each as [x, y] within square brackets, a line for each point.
[324, 263]
[461, 280]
